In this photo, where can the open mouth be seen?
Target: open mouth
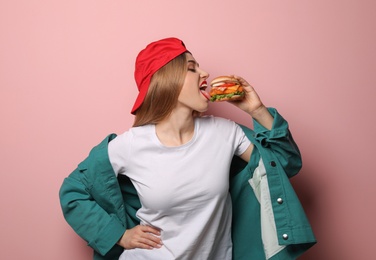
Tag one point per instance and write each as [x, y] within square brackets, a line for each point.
[203, 87]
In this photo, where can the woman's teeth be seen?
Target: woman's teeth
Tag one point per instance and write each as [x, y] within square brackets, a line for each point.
[203, 86]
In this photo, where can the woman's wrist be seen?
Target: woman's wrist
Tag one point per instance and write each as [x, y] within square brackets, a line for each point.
[263, 116]
[258, 112]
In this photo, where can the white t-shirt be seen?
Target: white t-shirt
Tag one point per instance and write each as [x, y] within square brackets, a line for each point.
[183, 190]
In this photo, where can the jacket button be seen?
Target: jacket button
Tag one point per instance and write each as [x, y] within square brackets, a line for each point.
[279, 200]
[273, 164]
[285, 236]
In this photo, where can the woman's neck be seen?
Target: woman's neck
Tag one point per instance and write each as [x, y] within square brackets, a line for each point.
[175, 130]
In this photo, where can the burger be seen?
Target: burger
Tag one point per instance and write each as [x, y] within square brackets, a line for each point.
[226, 88]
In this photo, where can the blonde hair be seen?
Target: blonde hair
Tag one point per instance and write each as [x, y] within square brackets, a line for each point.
[163, 92]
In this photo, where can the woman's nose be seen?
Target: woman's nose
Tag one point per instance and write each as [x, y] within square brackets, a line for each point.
[204, 74]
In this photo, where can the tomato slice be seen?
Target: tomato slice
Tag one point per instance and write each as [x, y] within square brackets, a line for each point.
[226, 85]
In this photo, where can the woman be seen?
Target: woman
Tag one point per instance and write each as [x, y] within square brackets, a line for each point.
[190, 212]
[177, 161]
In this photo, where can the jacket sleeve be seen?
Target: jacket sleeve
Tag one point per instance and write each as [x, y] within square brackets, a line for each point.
[281, 142]
[281, 159]
[87, 215]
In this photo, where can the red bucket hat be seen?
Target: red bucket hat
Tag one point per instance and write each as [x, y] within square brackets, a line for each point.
[152, 58]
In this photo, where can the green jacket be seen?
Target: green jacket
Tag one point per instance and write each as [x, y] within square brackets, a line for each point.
[268, 219]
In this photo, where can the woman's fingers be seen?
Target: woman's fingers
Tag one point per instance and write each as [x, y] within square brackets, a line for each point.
[150, 236]
[148, 229]
[145, 237]
[150, 241]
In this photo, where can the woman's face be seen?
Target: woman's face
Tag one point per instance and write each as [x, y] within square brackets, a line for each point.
[193, 94]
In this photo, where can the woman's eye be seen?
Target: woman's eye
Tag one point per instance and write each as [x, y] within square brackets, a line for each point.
[192, 69]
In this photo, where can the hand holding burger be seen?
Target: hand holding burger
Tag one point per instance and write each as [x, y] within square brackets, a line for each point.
[226, 88]
[235, 88]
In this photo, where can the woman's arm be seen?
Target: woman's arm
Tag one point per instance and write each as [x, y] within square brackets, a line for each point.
[271, 130]
[100, 229]
[253, 105]
[93, 204]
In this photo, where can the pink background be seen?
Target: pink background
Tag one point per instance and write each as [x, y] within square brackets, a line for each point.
[66, 81]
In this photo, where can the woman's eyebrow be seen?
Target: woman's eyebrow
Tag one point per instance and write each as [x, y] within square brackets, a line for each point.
[195, 62]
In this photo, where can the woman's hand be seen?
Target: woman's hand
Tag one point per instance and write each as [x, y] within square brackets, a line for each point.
[252, 104]
[140, 236]
[251, 101]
